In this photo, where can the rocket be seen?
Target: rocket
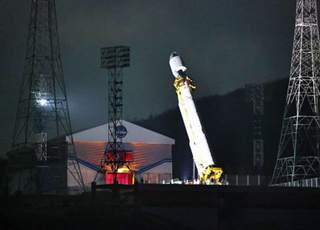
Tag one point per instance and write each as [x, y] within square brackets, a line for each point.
[177, 65]
[197, 139]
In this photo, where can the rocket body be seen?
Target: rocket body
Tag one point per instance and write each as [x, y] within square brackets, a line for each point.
[197, 139]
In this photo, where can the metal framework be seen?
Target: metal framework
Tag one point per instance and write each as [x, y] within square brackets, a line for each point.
[258, 153]
[42, 148]
[298, 154]
[114, 59]
[255, 93]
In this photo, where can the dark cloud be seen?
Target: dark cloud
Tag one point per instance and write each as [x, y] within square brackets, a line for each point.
[225, 44]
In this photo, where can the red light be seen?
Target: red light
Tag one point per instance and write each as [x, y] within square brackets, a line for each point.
[122, 178]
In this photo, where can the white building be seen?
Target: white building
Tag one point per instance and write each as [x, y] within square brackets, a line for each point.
[152, 153]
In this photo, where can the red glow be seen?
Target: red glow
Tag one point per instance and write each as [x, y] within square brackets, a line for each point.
[122, 178]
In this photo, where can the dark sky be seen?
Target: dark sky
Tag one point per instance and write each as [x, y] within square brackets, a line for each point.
[224, 43]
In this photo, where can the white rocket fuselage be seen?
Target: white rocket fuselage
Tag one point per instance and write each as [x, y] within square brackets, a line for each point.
[197, 139]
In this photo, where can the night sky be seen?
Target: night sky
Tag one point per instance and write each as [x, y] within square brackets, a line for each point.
[225, 44]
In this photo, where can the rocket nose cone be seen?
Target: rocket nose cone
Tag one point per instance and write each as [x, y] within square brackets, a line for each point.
[173, 54]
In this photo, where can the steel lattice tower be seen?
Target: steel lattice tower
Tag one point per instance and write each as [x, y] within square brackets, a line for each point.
[255, 93]
[42, 148]
[298, 154]
[114, 59]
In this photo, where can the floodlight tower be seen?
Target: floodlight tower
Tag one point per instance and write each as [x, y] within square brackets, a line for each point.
[42, 148]
[114, 59]
[298, 154]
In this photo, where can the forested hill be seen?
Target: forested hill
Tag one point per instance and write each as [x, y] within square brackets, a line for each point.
[228, 122]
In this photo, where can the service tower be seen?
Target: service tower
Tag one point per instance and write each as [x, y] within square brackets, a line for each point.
[298, 161]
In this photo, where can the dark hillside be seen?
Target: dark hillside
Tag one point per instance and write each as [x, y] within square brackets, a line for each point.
[228, 122]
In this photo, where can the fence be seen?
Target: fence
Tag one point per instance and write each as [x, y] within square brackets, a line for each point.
[154, 178]
[245, 180]
[238, 180]
[313, 182]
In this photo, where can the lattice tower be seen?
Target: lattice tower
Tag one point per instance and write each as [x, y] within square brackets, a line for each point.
[298, 154]
[114, 59]
[42, 151]
[255, 93]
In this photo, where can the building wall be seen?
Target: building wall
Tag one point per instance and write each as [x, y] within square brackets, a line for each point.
[91, 152]
[147, 154]
[88, 176]
[144, 154]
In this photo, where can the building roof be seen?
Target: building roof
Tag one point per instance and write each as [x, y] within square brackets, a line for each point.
[136, 134]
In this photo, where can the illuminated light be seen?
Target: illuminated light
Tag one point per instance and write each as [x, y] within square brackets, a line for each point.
[123, 170]
[42, 102]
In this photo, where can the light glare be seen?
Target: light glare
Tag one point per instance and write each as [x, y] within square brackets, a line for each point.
[43, 102]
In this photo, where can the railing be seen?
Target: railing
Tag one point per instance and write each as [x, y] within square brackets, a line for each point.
[153, 178]
[312, 182]
[245, 180]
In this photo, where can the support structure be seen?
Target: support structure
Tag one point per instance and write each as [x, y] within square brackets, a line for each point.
[298, 157]
[115, 59]
[42, 151]
[255, 93]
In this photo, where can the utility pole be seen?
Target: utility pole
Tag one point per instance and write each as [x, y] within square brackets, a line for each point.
[42, 150]
[115, 156]
[298, 155]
